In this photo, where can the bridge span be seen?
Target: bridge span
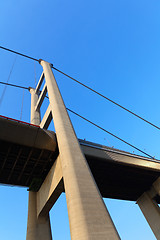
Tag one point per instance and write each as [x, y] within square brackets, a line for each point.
[49, 164]
[28, 152]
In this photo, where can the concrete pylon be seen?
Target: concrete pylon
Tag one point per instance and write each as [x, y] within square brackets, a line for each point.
[151, 212]
[35, 115]
[88, 216]
[38, 228]
[150, 208]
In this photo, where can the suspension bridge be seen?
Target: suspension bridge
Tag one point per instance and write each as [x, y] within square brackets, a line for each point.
[49, 163]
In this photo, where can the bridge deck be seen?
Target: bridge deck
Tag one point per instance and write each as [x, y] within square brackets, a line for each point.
[27, 153]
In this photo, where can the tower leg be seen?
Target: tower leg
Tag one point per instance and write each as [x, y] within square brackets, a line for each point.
[88, 216]
[38, 228]
[151, 211]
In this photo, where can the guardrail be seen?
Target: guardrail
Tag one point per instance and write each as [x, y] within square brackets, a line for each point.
[19, 121]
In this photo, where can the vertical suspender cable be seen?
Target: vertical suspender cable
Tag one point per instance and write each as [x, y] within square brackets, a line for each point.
[4, 90]
[22, 105]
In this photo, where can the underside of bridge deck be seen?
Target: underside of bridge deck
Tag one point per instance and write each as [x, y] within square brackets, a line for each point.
[27, 153]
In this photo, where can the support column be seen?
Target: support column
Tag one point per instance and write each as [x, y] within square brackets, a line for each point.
[37, 228]
[88, 215]
[35, 115]
[151, 211]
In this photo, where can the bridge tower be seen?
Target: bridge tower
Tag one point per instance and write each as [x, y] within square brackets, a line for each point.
[75, 167]
[88, 215]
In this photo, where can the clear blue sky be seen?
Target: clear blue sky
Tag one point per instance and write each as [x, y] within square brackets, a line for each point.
[112, 46]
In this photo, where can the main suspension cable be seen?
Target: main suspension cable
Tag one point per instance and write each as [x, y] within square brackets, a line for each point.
[14, 85]
[138, 149]
[91, 89]
[103, 96]
[94, 124]
[18, 53]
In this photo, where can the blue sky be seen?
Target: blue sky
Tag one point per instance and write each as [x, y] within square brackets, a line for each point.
[110, 45]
